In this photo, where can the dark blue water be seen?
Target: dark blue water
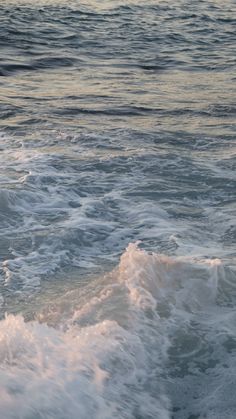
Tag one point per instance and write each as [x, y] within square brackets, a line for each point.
[117, 126]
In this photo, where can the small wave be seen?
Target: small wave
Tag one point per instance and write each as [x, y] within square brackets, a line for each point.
[121, 111]
[38, 64]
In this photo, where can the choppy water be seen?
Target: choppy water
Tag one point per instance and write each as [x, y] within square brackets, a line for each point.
[117, 126]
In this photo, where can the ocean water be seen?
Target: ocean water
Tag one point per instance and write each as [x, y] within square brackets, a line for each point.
[117, 209]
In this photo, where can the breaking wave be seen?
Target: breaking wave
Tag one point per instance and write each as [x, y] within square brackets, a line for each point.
[112, 348]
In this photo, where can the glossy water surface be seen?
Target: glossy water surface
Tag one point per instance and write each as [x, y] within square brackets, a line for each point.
[117, 125]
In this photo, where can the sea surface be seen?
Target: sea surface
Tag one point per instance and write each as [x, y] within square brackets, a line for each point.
[117, 209]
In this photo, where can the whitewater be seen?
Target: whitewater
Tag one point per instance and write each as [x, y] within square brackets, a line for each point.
[117, 209]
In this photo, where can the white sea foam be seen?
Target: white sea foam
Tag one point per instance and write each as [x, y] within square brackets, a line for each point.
[112, 355]
[73, 204]
[99, 370]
